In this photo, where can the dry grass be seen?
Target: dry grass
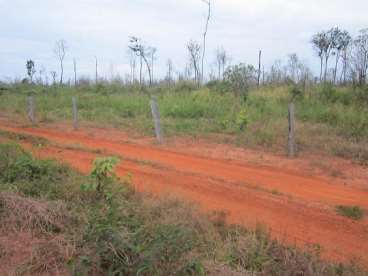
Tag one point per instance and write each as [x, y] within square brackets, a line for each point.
[20, 214]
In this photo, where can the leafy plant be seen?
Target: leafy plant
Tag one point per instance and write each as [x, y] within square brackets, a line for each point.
[242, 119]
[102, 173]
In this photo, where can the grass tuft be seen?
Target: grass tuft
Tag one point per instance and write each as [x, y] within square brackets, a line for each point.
[353, 212]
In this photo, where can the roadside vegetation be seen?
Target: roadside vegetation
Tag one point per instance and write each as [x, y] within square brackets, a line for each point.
[73, 224]
[353, 212]
[330, 120]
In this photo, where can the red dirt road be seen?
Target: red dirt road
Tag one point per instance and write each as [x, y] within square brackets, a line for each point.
[297, 207]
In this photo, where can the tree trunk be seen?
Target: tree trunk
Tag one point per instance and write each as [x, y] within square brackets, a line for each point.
[259, 68]
[321, 72]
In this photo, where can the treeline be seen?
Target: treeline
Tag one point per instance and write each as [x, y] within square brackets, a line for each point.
[343, 60]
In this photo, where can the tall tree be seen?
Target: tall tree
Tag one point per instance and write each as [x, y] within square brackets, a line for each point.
[340, 41]
[259, 68]
[208, 3]
[360, 55]
[75, 71]
[137, 47]
[170, 69]
[222, 60]
[60, 52]
[194, 50]
[319, 41]
[30, 65]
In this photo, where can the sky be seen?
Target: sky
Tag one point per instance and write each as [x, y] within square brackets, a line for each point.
[96, 28]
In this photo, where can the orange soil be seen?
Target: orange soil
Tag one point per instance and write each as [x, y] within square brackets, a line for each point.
[296, 206]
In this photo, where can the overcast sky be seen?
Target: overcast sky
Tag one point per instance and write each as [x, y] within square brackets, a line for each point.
[29, 29]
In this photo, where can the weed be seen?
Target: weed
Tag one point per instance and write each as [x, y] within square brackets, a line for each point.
[353, 212]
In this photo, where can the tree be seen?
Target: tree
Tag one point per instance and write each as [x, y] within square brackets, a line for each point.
[259, 68]
[293, 67]
[194, 50]
[222, 60]
[341, 41]
[208, 3]
[60, 52]
[360, 55]
[241, 77]
[137, 47]
[75, 71]
[319, 41]
[152, 51]
[96, 70]
[53, 76]
[170, 69]
[30, 65]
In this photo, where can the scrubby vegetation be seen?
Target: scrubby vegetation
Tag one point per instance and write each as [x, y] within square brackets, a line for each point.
[353, 212]
[98, 225]
[332, 120]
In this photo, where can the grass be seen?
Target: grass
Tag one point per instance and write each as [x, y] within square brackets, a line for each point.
[115, 231]
[353, 212]
[329, 120]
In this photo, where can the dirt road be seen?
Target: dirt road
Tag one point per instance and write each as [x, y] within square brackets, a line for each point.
[298, 208]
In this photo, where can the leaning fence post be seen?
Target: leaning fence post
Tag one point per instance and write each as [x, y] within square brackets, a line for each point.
[291, 137]
[156, 119]
[75, 113]
[31, 109]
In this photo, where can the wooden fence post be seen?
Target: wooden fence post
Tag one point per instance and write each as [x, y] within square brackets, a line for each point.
[31, 109]
[156, 119]
[291, 137]
[75, 113]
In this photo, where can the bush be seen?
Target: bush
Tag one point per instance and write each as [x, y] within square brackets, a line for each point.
[353, 212]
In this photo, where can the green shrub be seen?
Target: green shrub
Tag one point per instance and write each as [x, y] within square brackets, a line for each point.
[353, 212]
[242, 120]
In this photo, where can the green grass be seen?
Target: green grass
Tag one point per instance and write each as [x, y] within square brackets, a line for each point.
[353, 212]
[115, 231]
[330, 120]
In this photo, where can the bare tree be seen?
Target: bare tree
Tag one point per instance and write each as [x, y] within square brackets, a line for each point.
[75, 71]
[41, 72]
[259, 68]
[319, 42]
[360, 56]
[60, 52]
[152, 51]
[222, 60]
[208, 3]
[133, 65]
[53, 76]
[340, 41]
[293, 67]
[96, 70]
[170, 69]
[194, 50]
[137, 47]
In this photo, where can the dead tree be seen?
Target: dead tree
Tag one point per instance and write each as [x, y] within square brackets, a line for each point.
[208, 3]
[60, 52]
[96, 70]
[222, 60]
[53, 76]
[194, 50]
[152, 51]
[259, 68]
[170, 69]
[141, 51]
[75, 71]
